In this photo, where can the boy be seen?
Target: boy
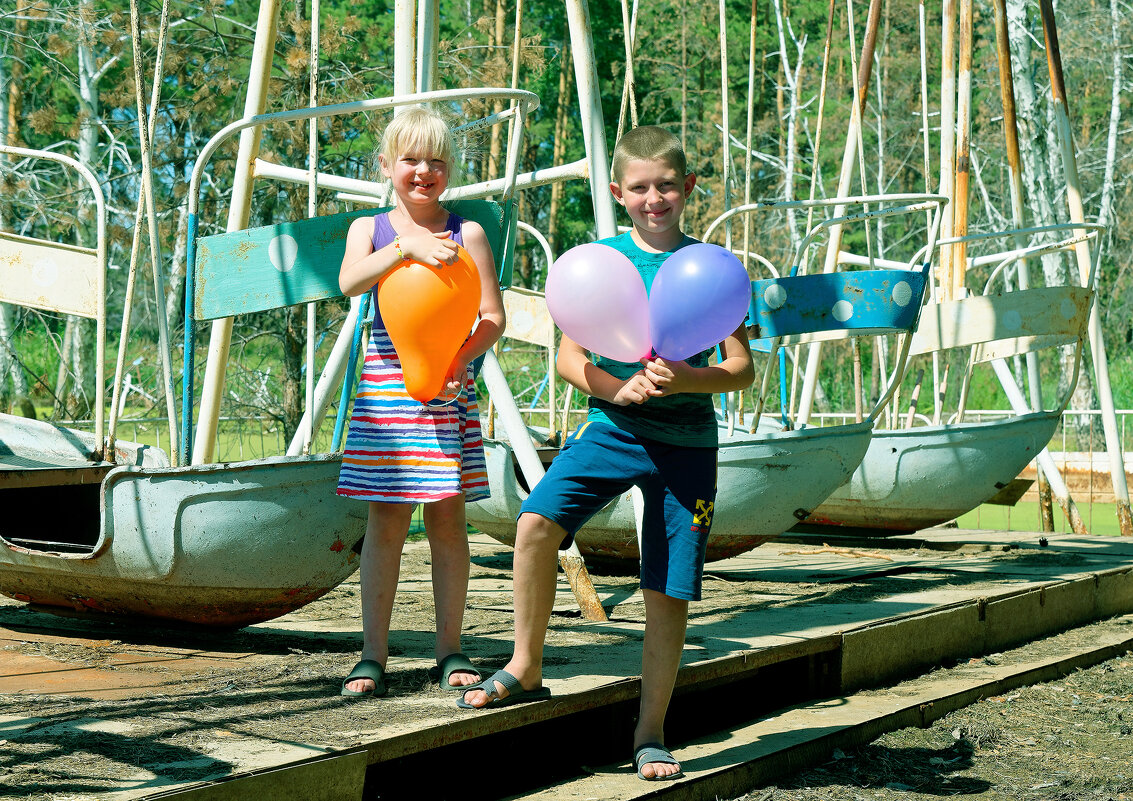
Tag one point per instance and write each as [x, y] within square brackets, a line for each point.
[650, 424]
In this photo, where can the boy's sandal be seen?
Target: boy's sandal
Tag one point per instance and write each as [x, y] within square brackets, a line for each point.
[516, 693]
[366, 669]
[654, 752]
[453, 663]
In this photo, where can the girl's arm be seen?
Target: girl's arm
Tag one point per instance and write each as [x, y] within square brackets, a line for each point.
[492, 319]
[734, 371]
[573, 364]
[362, 266]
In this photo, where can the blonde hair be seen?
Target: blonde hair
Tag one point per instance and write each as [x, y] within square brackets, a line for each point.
[648, 143]
[420, 131]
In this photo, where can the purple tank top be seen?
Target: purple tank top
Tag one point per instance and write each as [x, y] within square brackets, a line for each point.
[384, 234]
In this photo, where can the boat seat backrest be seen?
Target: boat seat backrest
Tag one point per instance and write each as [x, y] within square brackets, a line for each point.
[1000, 326]
[528, 318]
[41, 274]
[810, 308]
[290, 263]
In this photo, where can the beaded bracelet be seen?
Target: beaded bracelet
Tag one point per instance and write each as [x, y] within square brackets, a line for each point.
[397, 246]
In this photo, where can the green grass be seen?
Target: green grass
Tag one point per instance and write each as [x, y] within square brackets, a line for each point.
[1100, 518]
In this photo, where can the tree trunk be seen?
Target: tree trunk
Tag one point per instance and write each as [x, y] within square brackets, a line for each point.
[59, 408]
[559, 147]
[174, 302]
[498, 42]
[294, 341]
[11, 68]
[1107, 212]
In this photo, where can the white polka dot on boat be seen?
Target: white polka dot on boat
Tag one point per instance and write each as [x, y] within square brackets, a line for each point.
[843, 310]
[282, 251]
[45, 272]
[775, 296]
[902, 293]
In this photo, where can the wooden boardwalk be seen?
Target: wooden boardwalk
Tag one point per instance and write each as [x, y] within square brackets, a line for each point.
[788, 626]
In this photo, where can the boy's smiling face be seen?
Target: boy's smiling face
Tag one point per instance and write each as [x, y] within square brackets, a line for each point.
[654, 193]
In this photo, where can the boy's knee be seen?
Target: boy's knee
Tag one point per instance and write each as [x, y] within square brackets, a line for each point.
[534, 529]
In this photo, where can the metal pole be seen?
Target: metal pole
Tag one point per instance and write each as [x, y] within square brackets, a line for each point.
[849, 159]
[963, 150]
[145, 138]
[1015, 171]
[1082, 252]
[255, 102]
[428, 38]
[947, 138]
[1045, 462]
[605, 221]
[312, 211]
[403, 46]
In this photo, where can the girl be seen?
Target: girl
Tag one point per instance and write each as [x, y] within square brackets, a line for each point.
[398, 451]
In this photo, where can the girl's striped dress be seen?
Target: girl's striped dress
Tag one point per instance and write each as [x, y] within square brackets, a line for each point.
[399, 450]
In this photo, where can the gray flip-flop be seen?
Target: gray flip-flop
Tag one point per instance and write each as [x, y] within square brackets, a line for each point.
[516, 693]
[654, 752]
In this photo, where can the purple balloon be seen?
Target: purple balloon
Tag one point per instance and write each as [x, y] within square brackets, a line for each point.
[699, 296]
[596, 296]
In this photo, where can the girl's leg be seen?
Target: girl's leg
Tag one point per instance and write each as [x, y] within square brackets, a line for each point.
[448, 548]
[387, 525]
[665, 622]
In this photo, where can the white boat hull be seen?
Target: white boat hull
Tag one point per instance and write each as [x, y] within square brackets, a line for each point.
[218, 545]
[766, 483]
[920, 477]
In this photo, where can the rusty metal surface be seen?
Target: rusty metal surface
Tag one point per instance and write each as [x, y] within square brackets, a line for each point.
[18, 472]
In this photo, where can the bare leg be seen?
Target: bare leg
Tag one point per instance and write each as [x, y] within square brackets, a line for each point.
[665, 622]
[535, 571]
[448, 546]
[387, 525]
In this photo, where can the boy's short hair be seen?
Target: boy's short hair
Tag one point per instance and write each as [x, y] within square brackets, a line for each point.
[420, 131]
[648, 143]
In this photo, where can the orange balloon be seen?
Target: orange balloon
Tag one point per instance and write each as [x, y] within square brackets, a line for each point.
[428, 313]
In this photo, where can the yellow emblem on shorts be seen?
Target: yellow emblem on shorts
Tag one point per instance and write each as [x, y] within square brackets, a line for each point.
[703, 515]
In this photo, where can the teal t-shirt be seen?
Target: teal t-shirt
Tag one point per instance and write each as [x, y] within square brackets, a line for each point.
[684, 419]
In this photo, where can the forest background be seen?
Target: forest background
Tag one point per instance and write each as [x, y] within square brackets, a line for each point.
[67, 84]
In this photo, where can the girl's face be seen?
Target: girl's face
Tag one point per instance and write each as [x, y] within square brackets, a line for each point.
[417, 177]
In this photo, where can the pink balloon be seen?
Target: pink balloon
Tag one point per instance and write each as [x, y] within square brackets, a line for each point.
[596, 296]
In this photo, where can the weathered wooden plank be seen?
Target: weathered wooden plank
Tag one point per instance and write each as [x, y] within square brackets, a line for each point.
[47, 275]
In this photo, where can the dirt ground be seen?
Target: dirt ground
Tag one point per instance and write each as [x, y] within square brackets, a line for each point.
[1064, 740]
[190, 704]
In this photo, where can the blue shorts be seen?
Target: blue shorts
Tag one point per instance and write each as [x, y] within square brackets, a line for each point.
[599, 462]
